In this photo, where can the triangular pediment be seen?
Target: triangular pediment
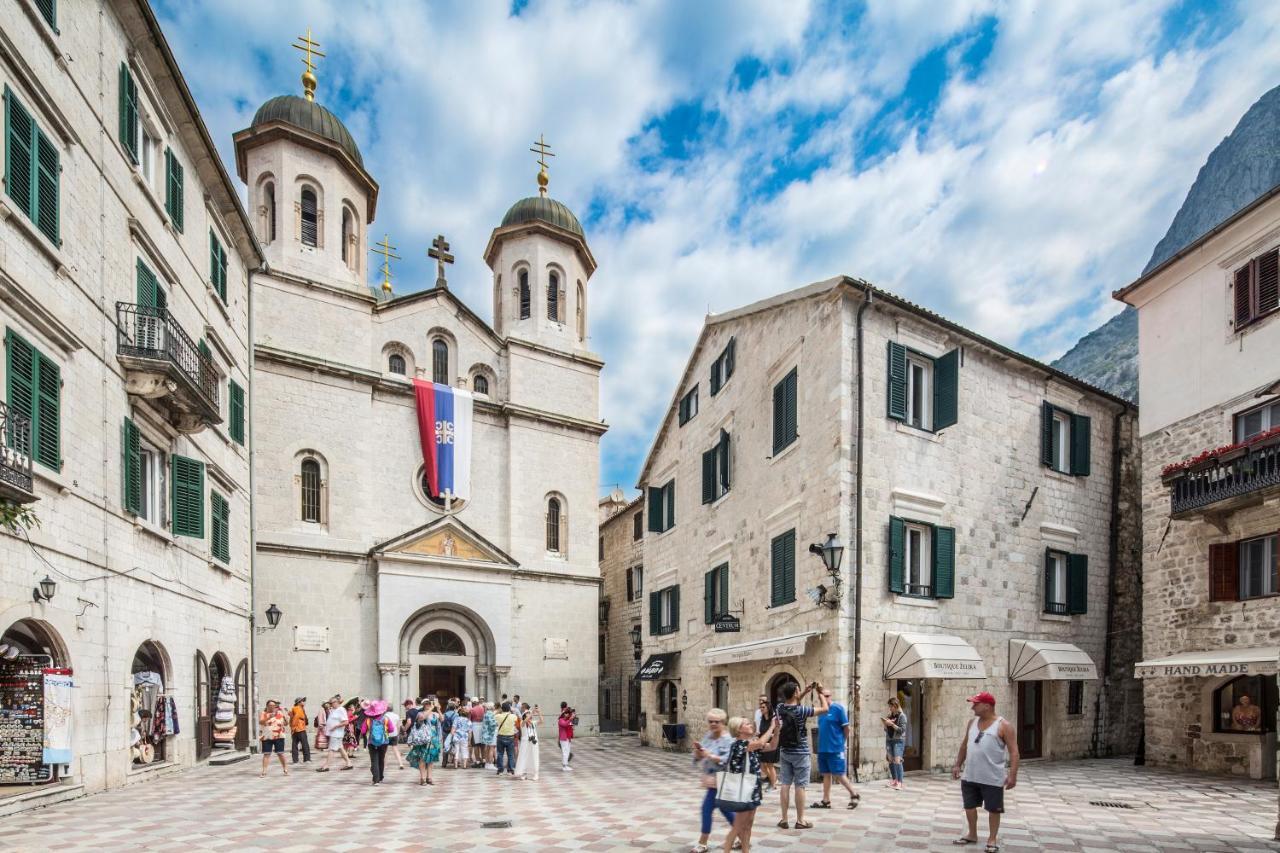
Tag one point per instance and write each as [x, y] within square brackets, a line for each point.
[445, 539]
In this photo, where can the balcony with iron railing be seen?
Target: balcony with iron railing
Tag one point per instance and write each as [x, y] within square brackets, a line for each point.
[164, 365]
[1227, 478]
[15, 457]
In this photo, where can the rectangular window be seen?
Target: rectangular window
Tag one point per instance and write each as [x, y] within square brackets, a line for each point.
[151, 468]
[32, 173]
[784, 412]
[150, 154]
[637, 525]
[689, 405]
[715, 598]
[782, 569]
[186, 477]
[923, 391]
[1259, 564]
[662, 507]
[35, 393]
[1245, 704]
[1075, 698]
[600, 545]
[919, 381]
[236, 400]
[173, 203]
[1055, 582]
[1065, 440]
[218, 266]
[921, 559]
[631, 585]
[1256, 288]
[638, 574]
[220, 517]
[715, 470]
[664, 610]
[1257, 421]
[722, 368]
[720, 692]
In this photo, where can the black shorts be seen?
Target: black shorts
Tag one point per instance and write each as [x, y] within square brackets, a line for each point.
[990, 797]
[272, 745]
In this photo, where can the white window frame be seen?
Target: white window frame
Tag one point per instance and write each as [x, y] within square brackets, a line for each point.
[716, 579]
[1266, 546]
[1061, 441]
[918, 548]
[1269, 418]
[1057, 569]
[666, 619]
[637, 575]
[920, 416]
[152, 481]
[720, 691]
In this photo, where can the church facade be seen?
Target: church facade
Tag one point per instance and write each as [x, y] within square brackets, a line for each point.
[386, 588]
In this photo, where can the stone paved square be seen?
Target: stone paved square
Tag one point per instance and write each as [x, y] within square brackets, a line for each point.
[625, 797]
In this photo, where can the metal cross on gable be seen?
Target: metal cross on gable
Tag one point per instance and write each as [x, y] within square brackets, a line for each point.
[440, 251]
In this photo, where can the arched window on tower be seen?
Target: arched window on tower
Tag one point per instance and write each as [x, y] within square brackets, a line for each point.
[524, 294]
[395, 363]
[481, 384]
[311, 490]
[348, 238]
[269, 211]
[557, 527]
[582, 313]
[440, 361]
[553, 296]
[310, 217]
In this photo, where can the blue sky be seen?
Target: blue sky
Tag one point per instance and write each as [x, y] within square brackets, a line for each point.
[1006, 164]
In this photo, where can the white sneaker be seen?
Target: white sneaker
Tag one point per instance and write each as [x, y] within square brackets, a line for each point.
[566, 768]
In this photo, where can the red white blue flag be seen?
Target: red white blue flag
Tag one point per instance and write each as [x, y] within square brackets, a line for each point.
[444, 428]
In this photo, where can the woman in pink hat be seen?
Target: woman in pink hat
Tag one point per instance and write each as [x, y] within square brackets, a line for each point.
[378, 731]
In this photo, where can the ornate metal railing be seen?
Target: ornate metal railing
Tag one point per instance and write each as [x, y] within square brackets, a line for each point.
[15, 449]
[1056, 607]
[1216, 480]
[144, 331]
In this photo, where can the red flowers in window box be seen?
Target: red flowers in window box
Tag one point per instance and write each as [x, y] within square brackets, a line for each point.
[1225, 453]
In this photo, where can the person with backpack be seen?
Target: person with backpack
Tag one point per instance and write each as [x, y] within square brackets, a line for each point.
[393, 721]
[507, 725]
[793, 746]
[462, 737]
[568, 719]
[424, 744]
[446, 728]
[378, 732]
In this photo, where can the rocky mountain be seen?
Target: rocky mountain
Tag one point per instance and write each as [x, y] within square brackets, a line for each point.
[1245, 165]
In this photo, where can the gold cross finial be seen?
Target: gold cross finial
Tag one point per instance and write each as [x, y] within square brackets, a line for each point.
[310, 48]
[388, 253]
[543, 150]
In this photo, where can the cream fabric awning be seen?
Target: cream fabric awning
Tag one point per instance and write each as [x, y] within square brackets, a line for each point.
[789, 646]
[930, 656]
[1218, 662]
[1046, 660]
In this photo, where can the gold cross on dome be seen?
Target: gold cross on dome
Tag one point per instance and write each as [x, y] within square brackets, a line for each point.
[388, 254]
[310, 48]
[543, 150]
[440, 251]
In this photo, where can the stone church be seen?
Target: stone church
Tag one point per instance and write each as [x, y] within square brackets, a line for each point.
[385, 588]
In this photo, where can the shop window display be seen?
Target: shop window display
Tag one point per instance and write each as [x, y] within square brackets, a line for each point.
[153, 712]
[35, 706]
[1245, 705]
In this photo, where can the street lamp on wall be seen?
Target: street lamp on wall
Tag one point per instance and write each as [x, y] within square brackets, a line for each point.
[45, 590]
[832, 553]
[273, 619]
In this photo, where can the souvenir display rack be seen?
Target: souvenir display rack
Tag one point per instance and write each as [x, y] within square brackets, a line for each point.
[22, 720]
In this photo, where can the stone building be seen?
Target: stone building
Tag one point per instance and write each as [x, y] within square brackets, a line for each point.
[621, 610]
[979, 495]
[1209, 378]
[387, 587]
[124, 264]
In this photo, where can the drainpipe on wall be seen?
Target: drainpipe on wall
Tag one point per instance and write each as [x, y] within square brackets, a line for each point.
[857, 551]
[1096, 747]
[253, 526]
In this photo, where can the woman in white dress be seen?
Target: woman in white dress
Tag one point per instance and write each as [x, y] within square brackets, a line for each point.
[527, 759]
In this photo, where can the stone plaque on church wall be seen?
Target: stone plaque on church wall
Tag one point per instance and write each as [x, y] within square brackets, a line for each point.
[555, 648]
[311, 638]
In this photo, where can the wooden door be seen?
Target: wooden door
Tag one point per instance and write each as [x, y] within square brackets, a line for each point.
[443, 682]
[633, 705]
[1031, 718]
[242, 705]
[911, 697]
[204, 715]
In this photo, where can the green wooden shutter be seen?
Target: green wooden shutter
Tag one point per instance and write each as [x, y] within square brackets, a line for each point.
[19, 154]
[173, 188]
[48, 421]
[944, 562]
[655, 613]
[1048, 579]
[708, 596]
[776, 570]
[20, 368]
[724, 588]
[728, 359]
[128, 112]
[1080, 443]
[48, 179]
[793, 412]
[716, 368]
[1077, 583]
[897, 555]
[723, 450]
[203, 347]
[132, 460]
[236, 427]
[217, 266]
[220, 538]
[1046, 433]
[675, 608]
[187, 479]
[669, 503]
[946, 390]
[148, 287]
[49, 11]
[779, 415]
[789, 565]
[897, 397]
[708, 475]
[655, 510]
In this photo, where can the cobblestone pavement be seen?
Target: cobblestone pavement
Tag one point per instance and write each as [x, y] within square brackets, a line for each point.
[624, 797]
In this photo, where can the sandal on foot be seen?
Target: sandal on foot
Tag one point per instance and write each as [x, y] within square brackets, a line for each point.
[853, 804]
[992, 848]
[821, 804]
[699, 848]
[322, 769]
[782, 824]
[961, 841]
[803, 824]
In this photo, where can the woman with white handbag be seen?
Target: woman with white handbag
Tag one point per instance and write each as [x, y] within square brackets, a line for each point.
[738, 784]
[709, 756]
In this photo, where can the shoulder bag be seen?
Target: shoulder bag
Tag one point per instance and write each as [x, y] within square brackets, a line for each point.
[735, 789]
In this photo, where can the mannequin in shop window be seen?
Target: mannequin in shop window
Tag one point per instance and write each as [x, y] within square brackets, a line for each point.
[1246, 716]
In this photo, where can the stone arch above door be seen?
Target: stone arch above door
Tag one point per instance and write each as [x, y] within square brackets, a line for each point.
[415, 666]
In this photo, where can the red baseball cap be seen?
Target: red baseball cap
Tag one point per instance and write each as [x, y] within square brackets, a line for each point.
[984, 697]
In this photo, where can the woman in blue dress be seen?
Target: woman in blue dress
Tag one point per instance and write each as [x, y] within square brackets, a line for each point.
[424, 743]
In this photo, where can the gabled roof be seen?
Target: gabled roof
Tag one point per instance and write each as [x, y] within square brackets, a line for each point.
[863, 287]
[434, 293]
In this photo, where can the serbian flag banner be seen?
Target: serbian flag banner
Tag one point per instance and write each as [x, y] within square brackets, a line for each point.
[444, 428]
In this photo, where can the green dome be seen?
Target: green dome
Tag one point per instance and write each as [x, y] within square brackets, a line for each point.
[309, 116]
[543, 209]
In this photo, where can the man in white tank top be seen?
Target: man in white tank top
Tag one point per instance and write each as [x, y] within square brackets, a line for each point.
[989, 742]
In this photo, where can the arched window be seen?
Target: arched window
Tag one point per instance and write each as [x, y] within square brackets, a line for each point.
[553, 296]
[524, 294]
[555, 526]
[482, 384]
[582, 312]
[150, 680]
[310, 217]
[1245, 705]
[269, 207]
[311, 490]
[348, 238]
[440, 361]
[395, 363]
[441, 642]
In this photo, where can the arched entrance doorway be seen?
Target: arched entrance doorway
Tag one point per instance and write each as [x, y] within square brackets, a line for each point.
[223, 700]
[35, 684]
[150, 708]
[774, 690]
[447, 651]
